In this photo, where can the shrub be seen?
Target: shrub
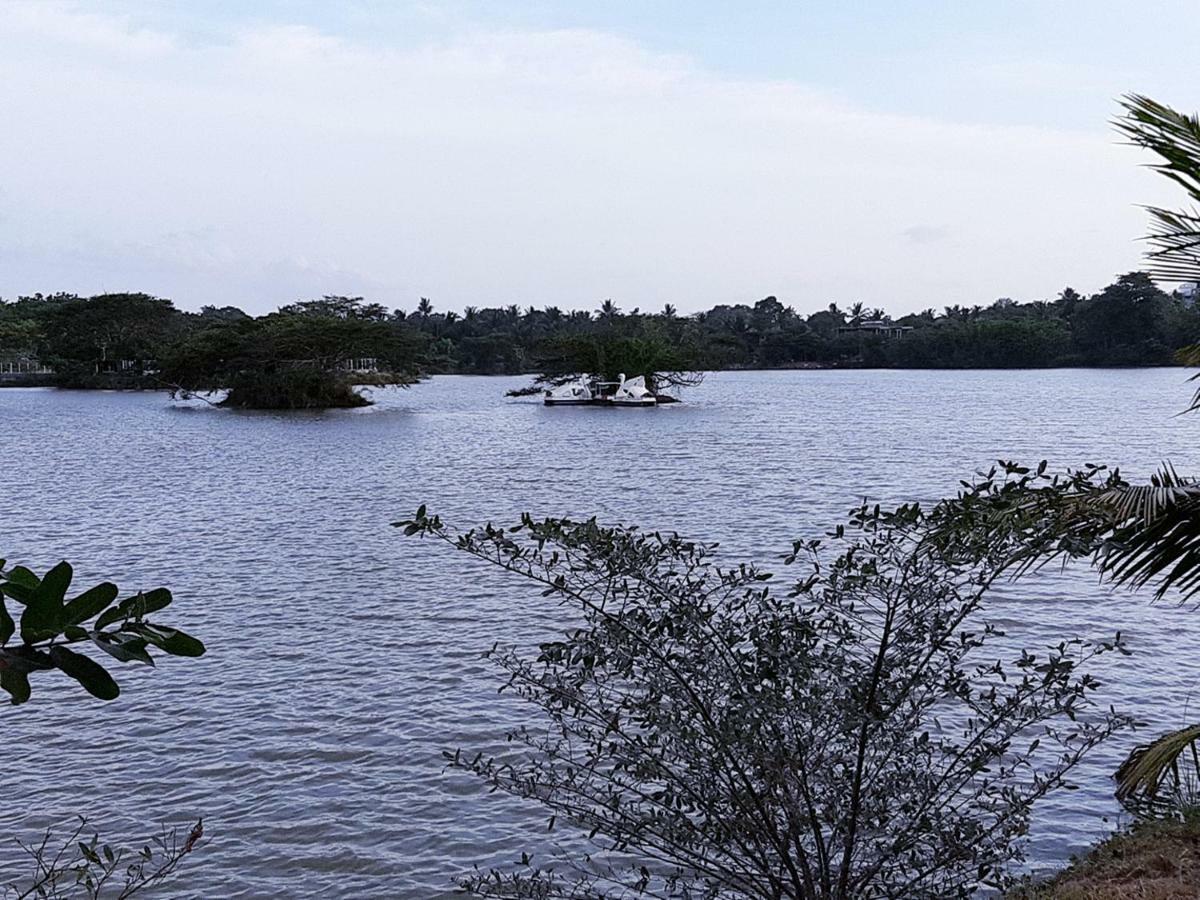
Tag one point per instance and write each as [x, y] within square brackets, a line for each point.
[708, 736]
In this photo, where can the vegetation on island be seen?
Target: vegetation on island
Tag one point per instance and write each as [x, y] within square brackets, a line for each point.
[47, 635]
[304, 356]
[313, 353]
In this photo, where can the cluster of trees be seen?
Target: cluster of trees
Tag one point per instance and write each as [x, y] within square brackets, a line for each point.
[1130, 322]
[307, 354]
[310, 353]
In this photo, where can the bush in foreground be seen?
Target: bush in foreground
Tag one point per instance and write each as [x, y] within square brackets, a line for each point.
[704, 735]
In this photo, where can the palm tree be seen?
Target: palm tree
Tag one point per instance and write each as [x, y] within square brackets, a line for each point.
[471, 313]
[424, 308]
[1175, 137]
[1136, 535]
[856, 312]
[609, 310]
[668, 311]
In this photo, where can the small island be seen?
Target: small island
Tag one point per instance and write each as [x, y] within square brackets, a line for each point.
[315, 354]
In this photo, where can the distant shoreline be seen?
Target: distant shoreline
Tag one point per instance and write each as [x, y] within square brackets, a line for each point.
[47, 381]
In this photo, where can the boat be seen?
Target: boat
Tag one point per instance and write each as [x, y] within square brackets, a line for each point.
[633, 392]
[588, 391]
[574, 393]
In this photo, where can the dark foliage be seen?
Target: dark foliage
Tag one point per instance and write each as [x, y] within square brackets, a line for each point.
[131, 340]
[49, 626]
[708, 736]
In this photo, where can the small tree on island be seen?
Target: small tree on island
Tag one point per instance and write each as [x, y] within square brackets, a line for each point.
[308, 355]
[663, 363]
[707, 736]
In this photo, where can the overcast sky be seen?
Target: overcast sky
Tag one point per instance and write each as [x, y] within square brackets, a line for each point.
[906, 154]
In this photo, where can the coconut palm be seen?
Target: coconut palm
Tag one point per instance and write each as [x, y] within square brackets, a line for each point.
[1136, 535]
[1175, 137]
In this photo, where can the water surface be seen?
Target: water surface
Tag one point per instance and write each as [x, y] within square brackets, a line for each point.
[344, 658]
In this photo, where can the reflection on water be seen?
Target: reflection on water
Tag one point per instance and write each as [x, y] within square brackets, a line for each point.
[343, 658]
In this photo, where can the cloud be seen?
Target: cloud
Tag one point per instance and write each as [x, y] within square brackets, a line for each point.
[539, 167]
[926, 234]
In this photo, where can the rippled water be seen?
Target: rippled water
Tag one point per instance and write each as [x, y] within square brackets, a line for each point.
[344, 658]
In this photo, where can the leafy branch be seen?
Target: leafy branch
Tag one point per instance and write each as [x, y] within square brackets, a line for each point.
[50, 625]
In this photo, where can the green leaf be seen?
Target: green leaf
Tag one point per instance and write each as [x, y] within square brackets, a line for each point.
[43, 616]
[54, 586]
[170, 640]
[90, 603]
[140, 604]
[89, 673]
[16, 682]
[23, 576]
[19, 591]
[149, 602]
[115, 614]
[40, 621]
[126, 648]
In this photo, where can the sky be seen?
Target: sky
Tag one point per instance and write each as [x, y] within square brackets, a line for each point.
[900, 153]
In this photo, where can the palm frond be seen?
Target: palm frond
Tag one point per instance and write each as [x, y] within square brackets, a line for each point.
[1146, 503]
[1156, 533]
[1175, 138]
[1144, 774]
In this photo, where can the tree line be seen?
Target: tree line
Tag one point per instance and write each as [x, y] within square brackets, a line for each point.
[119, 339]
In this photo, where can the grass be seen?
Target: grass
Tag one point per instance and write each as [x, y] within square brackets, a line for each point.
[1158, 860]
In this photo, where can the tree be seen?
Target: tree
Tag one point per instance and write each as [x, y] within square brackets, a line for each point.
[1124, 323]
[661, 361]
[1135, 535]
[609, 311]
[845, 737]
[305, 356]
[1175, 138]
[116, 335]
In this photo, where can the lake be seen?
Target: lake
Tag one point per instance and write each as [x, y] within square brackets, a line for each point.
[344, 658]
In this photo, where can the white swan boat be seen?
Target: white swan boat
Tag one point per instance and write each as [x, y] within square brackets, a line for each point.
[588, 391]
[573, 393]
[633, 392]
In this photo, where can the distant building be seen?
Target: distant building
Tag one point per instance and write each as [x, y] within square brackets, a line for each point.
[876, 326]
[18, 368]
[1188, 292]
[132, 367]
